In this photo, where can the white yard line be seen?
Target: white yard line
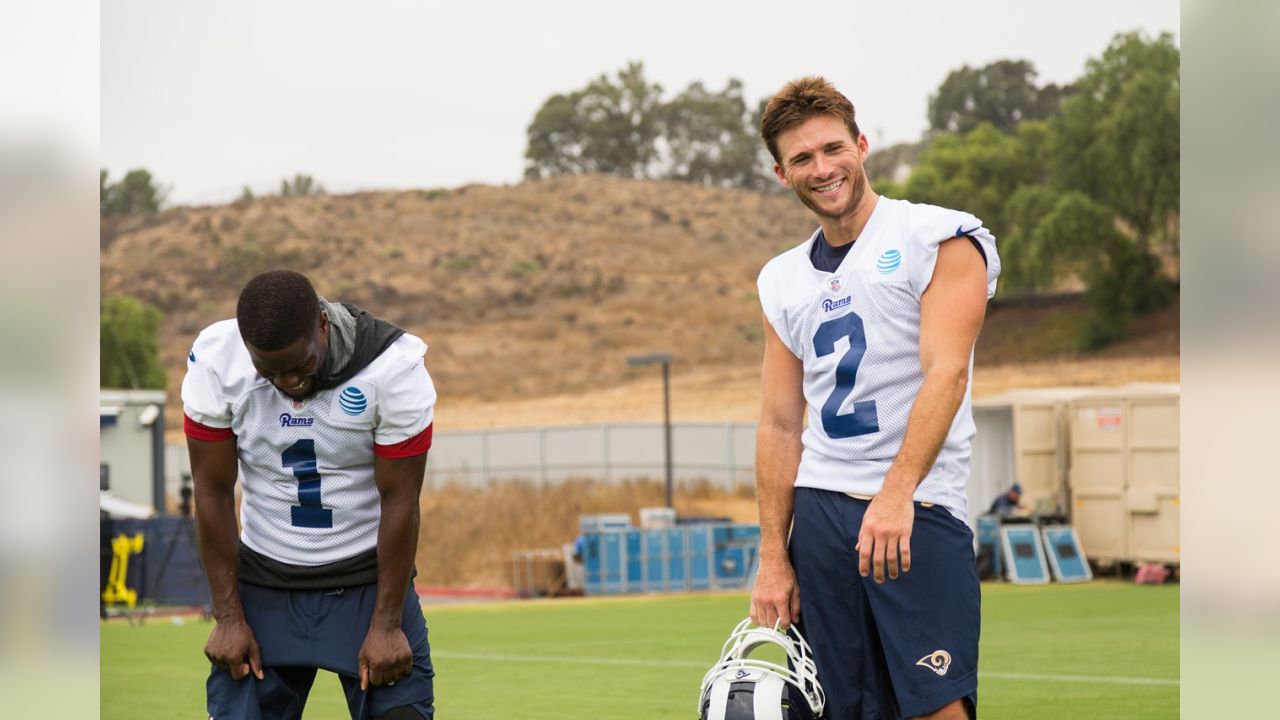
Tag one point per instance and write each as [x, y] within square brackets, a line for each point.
[647, 662]
[569, 659]
[1100, 679]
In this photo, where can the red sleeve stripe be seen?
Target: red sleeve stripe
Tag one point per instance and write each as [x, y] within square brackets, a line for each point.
[415, 445]
[196, 431]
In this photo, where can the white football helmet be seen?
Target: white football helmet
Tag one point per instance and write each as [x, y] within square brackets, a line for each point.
[739, 687]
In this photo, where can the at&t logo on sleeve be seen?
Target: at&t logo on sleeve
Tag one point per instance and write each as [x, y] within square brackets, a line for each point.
[352, 402]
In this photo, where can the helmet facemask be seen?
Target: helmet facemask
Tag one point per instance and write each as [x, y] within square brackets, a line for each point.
[722, 696]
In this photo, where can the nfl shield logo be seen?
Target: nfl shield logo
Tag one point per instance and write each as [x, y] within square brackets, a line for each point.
[835, 283]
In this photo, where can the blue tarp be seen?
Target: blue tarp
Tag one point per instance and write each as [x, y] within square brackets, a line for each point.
[687, 557]
[183, 581]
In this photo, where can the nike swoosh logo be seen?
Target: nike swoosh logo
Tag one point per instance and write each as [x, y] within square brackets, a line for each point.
[961, 231]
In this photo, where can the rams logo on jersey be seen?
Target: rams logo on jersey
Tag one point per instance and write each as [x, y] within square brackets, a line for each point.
[938, 661]
[828, 305]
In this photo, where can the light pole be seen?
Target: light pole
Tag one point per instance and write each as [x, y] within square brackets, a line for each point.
[663, 359]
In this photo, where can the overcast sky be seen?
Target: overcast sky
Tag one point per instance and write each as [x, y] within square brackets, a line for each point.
[376, 94]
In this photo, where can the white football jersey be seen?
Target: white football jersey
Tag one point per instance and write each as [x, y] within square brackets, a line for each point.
[857, 334]
[309, 496]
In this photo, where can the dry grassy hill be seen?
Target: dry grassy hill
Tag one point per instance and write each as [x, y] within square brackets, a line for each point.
[535, 291]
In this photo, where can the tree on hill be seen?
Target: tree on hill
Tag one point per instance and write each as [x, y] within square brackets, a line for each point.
[622, 126]
[977, 171]
[708, 138]
[129, 355]
[1118, 138]
[1086, 192]
[137, 193]
[1003, 93]
[301, 184]
[606, 127]
[1004, 180]
[1118, 143]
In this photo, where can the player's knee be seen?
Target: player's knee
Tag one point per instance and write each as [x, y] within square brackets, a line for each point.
[404, 712]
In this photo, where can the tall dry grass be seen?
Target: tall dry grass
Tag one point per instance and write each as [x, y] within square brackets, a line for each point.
[469, 534]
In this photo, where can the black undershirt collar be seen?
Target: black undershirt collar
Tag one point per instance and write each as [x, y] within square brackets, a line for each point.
[824, 256]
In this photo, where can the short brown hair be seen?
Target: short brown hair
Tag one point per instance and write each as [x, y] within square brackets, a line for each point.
[800, 100]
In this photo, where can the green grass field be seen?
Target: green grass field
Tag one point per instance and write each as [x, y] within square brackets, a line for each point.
[1102, 650]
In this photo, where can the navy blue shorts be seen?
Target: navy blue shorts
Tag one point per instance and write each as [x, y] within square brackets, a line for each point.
[900, 649]
[299, 631]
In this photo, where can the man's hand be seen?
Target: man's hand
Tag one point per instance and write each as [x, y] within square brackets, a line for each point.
[233, 648]
[886, 535]
[776, 596]
[385, 657]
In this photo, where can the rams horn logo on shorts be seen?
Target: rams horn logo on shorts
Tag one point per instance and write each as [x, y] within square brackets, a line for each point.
[938, 661]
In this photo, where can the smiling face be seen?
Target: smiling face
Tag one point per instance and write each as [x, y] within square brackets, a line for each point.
[292, 369]
[821, 161]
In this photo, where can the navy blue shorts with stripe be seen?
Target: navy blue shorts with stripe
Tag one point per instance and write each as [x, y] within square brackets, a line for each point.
[299, 631]
[900, 649]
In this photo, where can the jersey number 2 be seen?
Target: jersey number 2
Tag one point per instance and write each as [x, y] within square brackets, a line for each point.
[863, 419]
[301, 459]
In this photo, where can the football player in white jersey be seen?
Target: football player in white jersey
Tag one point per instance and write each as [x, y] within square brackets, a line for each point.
[326, 413]
[870, 326]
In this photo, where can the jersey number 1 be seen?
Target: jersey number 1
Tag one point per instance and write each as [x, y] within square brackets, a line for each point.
[301, 459]
[863, 419]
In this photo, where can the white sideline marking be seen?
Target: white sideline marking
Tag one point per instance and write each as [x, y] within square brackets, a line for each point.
[1103, 679]
[645, 662]
[569, 659]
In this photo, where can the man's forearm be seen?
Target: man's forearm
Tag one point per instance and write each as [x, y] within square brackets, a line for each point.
[397, 545]
[777, 461]
[927, 426]
[217, 537]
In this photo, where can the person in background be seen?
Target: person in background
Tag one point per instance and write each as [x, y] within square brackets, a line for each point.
[1007, 504]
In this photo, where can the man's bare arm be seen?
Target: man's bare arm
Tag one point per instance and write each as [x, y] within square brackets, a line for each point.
[386, 656]
[951, 313]
[214, 467]
[778, 448]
